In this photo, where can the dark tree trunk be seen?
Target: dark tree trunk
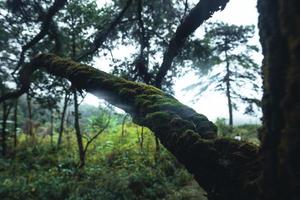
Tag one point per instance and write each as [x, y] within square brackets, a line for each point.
[76, 104]
[15, 124]
[3, 131]
[142, 138]
[228, 93]
[229, 102]
[28, 99]
[5, 114]
[157, 145]
[78, 132]
[62, 119]
[51, 126]
[279, 24]
[123, 126]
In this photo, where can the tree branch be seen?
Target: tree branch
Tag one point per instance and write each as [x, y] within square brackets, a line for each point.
[57, 5]
[201, 12]
[226, 169]
[102, 35]
[141, 63]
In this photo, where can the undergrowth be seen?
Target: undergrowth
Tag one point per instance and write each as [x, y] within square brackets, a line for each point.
[117, 168]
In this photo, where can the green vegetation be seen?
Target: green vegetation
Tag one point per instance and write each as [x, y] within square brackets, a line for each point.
[121, 164]
[117, 167]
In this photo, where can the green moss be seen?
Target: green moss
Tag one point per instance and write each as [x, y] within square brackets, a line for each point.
[142, 102]
[127, 92]
[181, 124]
[151, 89]
[159, 116]
[187, 138]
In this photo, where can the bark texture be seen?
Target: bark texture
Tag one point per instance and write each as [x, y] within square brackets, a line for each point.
[225, 168]
[279, 24]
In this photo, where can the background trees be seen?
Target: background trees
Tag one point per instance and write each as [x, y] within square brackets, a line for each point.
[145, 32]
[223, 62]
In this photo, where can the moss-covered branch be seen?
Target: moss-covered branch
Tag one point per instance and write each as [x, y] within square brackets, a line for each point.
[225, 168]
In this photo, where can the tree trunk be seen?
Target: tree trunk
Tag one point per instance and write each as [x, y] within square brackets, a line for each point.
[123, 126]
[76, 104]
[157, 146]
[62, 119]
[78, 132]
[229, 102]
[28, 99]
[51, 126]
[279, 24]
[228, 94]
[16, 124]
[142, 138]
[5, 114]
[4, 119]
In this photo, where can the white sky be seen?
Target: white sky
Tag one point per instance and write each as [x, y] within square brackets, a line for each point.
[211, 104]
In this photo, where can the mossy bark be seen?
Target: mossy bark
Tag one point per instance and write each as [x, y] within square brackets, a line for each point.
[279, 25]
[226, 169]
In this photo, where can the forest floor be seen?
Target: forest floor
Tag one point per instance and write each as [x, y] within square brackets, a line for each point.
[117, 168]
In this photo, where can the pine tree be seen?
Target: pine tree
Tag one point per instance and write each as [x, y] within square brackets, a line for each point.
[223, 61]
